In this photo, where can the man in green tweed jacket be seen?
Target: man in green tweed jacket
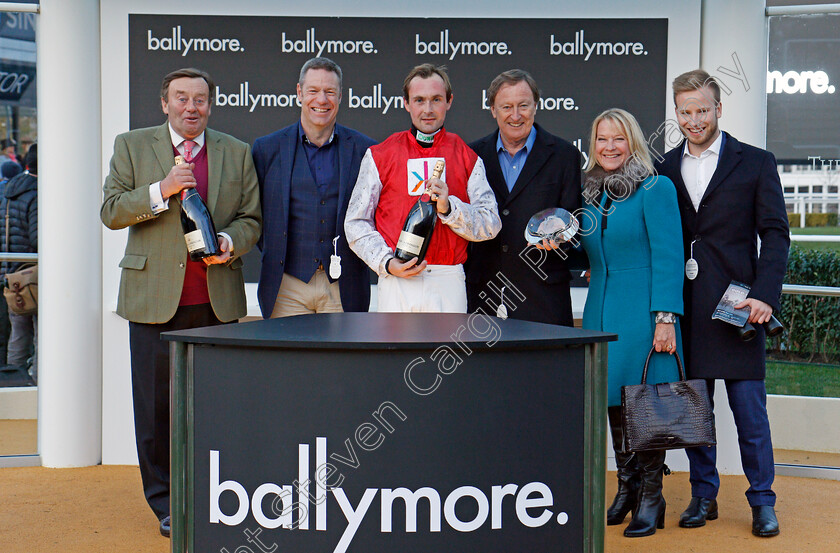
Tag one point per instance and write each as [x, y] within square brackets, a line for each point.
[161, 289]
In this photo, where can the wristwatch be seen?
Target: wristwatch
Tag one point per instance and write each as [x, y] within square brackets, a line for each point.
[665, 317]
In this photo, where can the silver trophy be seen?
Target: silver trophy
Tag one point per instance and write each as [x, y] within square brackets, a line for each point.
[554, 223]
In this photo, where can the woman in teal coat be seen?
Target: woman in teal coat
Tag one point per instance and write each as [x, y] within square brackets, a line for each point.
[630, 229]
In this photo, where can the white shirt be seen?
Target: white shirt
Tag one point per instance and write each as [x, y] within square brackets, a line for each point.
[697, 171]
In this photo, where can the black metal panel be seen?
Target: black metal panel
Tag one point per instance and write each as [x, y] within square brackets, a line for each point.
[502, 417]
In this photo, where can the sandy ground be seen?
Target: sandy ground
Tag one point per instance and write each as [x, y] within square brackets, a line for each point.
[102, 509]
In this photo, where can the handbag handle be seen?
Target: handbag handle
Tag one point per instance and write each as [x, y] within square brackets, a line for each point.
[647, 361]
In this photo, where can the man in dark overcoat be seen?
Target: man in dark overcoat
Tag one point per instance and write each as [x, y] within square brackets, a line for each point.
[730, 196]
[529, 170]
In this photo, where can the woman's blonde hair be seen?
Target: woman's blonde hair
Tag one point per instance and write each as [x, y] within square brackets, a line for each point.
[629, 127]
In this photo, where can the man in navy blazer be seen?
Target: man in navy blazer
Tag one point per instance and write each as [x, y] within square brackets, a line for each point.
[307, 172]
[729, 195]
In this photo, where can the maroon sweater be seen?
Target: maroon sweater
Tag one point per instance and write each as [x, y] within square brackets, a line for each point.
[195, 278]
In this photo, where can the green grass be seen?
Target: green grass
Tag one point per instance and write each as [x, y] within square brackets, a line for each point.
[816, 230]
[802, 379]
[822, 231]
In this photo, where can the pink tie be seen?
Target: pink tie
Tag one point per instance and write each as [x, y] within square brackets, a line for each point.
[188, 146]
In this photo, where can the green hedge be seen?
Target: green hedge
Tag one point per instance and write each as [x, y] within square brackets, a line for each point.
[812, 323]
[813, 219]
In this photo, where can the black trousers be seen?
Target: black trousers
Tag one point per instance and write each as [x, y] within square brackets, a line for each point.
[543, 303]
[5, 329]
[150, 390]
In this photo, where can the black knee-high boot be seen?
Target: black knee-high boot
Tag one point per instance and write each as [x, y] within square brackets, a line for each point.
[650, 507]
[628, 474]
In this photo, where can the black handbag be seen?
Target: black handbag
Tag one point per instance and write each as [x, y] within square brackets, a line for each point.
[671, 415]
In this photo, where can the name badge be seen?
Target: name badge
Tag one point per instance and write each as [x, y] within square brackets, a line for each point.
[335, 261]
[335, 267]
[691, 267]
[501, 311]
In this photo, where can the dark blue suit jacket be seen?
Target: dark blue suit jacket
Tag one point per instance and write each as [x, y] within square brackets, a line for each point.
[274, 160]
[743, 202]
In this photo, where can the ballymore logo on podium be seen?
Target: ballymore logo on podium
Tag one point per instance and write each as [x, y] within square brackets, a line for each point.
[294, 505]
[177, 42]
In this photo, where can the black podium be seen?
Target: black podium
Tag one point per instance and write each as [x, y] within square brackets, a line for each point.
[368, 432]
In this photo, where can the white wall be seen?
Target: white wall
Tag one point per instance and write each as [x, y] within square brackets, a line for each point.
[18, 403]
[117, 425]
[805, 423]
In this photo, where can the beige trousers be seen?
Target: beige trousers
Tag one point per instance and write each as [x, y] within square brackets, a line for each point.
[304, 298]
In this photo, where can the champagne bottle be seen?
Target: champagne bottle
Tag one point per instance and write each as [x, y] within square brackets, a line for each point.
[199, 230]
[419, 225]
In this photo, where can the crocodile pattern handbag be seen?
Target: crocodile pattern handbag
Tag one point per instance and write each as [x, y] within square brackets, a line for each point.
[671, 415]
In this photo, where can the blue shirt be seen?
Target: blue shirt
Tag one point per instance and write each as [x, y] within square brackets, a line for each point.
[323, 161]
[512, 164]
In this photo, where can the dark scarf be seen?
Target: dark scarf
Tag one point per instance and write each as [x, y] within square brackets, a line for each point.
[619, 184]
